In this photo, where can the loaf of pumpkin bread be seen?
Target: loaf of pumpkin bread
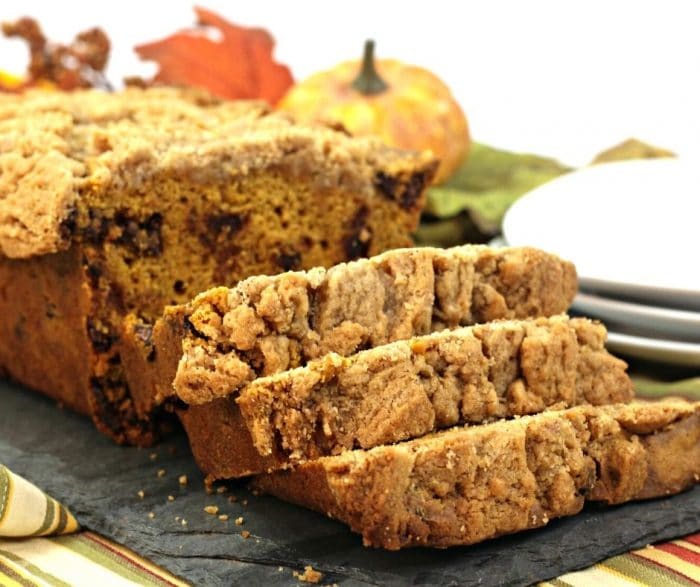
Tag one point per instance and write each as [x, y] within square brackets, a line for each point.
[466, 485]
[225, 338]
[118, 204]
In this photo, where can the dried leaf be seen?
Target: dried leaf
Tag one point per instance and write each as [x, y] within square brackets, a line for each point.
[66, 67]
[631, 149]
[471, 204]
[238, 65]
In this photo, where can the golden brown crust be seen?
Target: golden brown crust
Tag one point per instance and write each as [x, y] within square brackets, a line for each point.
[409, 388]
[469, 484]
[269, 324]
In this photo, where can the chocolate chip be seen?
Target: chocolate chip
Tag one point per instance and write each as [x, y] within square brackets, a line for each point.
[192, 329]
[412, 191]
[141, 237]
[386, 184]
[95, 231]
[219, 229]
[405, 193]
[114, 410]
[107, 413]
[289, 261]
[93, 272]
[357, 243]
[354, 248]
[68, 224]
[225, 223]
[179, 286]
[101, 341]
[359, 220]
[51, 310]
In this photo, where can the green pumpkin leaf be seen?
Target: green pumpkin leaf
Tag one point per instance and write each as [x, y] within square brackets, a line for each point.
[488, 182]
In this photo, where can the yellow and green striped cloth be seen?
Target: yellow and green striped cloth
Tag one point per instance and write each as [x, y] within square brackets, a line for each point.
[82, 559]
[25, 510]
[86, 559]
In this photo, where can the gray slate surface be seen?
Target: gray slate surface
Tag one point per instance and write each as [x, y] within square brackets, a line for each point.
[63, 454]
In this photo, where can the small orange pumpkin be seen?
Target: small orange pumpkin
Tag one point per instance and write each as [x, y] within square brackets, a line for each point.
[404, 105]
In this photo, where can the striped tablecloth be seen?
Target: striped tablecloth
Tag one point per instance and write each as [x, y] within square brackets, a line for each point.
[71, 558]
[88, 559]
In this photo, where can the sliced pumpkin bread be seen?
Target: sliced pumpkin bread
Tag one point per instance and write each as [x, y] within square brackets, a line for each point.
[469, 484]
[406, 389]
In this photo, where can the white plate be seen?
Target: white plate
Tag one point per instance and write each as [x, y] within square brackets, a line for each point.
[648, 321]
[632, 228]
[651, 349]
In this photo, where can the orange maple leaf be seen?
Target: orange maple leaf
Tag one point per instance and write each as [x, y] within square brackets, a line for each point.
[238, 65]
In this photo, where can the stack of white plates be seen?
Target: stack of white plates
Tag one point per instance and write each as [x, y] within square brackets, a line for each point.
[633, 231]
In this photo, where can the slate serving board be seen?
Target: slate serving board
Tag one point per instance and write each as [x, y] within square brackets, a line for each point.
[63, 454]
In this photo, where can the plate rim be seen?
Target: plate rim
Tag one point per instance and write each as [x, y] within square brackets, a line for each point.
[647, 310]
[652, 293]
[675, 352]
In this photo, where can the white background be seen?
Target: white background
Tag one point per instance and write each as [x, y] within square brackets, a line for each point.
[565, 79]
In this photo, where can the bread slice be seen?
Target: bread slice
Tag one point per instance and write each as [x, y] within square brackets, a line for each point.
[469, 484]
[404, 390]
[408, 388]
[225, 338]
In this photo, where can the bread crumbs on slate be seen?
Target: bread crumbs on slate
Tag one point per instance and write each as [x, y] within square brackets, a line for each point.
[309, 575]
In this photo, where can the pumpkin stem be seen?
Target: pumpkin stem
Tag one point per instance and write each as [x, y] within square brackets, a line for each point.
[368, 81]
